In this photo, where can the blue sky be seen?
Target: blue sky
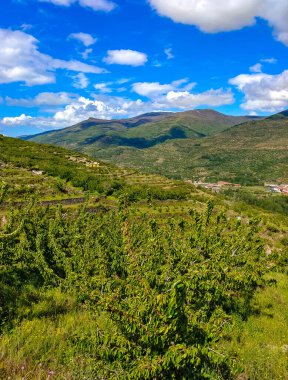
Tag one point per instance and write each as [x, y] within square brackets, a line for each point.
[62, 61]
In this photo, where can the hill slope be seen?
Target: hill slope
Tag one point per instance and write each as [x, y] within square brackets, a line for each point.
[141, 132]
[55, 172]
[195, 144]
[250, 153]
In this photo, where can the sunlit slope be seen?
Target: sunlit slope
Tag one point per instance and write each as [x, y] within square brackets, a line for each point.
[249, 153]
[142, 132]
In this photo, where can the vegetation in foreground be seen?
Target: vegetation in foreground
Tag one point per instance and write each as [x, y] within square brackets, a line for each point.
[156, 287]
[158, 298]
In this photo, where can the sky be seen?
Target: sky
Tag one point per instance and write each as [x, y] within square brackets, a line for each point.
[63, 61]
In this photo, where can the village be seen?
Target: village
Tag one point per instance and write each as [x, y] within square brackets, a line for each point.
[280, 189]
[216, 187]
[222, 185]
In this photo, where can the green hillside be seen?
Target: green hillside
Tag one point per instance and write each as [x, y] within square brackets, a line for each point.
[191, 146]
[149, 142]
[250, 153]
[140, 132]
[156, 279]
[54, 173]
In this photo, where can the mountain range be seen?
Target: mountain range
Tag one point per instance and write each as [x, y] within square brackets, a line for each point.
[199, 144]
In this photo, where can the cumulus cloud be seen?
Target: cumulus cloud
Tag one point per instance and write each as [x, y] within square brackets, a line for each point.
[107, 107]
[96, 5]
[225, 15]
[185, 100]
[40, 123]
[102, 108]
[85, 38]
[178, 95]
[263, 92]
[126, 57]
[21, 61]
[18, 120]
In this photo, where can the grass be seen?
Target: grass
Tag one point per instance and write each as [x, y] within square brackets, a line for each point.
[261, 343]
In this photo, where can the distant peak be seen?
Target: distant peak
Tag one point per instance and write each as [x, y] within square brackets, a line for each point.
[154, 114]
[284, 113]
[95, 119]
[280, 115]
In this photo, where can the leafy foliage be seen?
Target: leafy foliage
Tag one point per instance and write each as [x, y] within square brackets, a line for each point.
[167, 291]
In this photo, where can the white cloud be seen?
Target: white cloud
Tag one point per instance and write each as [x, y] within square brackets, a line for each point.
[43, 99]
[26, 27]
[74, 65]
[151, 89]
[64, 3]
[269, 60]
[154, 89]
[126, 57]
[21, 61]
[41, 123]
[263, 92]
[185, 100]
[85, 38]
[85, 54]
[103, 87]
[123, 80]
[225, 15]
[96, 5]
[256, 68]
[169, 53]
[177, 95]
[108, 87]
[107, 107]
[18, 120]
[243, 80]
[80, 81]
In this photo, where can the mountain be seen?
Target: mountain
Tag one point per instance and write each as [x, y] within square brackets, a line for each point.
[139, 132]
[188, 145]
[250, 153]
[147, 141]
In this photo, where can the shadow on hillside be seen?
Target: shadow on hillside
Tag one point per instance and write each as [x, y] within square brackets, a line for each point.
[140, 142]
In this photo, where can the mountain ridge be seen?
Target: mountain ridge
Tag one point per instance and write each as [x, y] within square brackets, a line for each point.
[146, 118]
[187, 145]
